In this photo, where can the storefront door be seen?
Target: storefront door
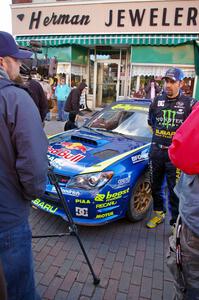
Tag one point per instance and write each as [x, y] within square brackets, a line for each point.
[106, 81]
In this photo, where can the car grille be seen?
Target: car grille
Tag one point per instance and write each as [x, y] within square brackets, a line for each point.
[62, 180]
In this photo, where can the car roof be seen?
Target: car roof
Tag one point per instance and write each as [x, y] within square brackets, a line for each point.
[134, 101]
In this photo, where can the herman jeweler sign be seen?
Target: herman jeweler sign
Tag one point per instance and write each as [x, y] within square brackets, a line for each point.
[106, 17]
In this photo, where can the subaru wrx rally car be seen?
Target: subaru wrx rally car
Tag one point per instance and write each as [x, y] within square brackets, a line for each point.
[102, 167]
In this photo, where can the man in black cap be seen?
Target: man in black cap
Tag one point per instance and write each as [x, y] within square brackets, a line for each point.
[166, 113]
[23, 171]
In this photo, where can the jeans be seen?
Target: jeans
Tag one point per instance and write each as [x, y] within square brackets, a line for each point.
[161, 168]
[62, 115]
[186, 282]
[17, 261]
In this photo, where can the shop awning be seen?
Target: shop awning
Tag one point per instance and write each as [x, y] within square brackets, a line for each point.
[109, 39]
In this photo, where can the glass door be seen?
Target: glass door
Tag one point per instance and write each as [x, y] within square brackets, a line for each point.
[107, 82]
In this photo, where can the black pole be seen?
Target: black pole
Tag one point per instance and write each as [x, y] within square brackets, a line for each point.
[73, 230]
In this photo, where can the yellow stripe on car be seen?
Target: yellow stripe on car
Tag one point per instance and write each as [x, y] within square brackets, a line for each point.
[101, 166]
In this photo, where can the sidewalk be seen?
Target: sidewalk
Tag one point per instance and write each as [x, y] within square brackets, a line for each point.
[129, 259]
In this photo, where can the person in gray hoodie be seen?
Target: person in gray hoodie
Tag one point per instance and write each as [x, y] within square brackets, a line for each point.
[183, 153]
[23, 172]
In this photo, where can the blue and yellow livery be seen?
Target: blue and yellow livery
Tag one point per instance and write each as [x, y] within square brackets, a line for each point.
[102, 167]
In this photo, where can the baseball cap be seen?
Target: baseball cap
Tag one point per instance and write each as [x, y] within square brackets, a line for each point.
[8, 47]
[174, 74]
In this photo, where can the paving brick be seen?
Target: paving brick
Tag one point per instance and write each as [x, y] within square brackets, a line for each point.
[97, 266]
[61, 295]
[116, 270]
[139, 258]
[157, 295]
[64, 268]
[56, 248]
[134, 292]
[141, 245]
[121, 296]
[41, 290]
[110, 258]
[41, 255]
[148, 268]
[60, 258]
[157, 280]
[128, 264]
[124, 282]
[168, 291]
[136, 277]
[132, 249]
[75, 291]
[158, 262]
[111, 289]
[121, 254]
[159, 247]
[83, 273]
[98, 294]
[45, 265]
[103, 251]
[68, 281]
[49, 275]
[38, 277]
[104, 277]
[146, 287]
[89, 287]
[149, 254]
[53, 288]
[114, 245]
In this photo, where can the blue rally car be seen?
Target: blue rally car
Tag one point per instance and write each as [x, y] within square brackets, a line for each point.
[102, 167]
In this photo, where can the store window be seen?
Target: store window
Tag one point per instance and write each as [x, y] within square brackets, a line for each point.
[143, 76]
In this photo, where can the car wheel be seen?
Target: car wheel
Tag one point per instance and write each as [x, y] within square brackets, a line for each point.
[141, 199]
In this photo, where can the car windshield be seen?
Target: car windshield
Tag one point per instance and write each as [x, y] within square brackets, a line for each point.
[124, 119]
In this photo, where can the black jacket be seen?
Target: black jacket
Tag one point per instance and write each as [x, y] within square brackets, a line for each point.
[166, 115]
[37, 93]
[72, 102]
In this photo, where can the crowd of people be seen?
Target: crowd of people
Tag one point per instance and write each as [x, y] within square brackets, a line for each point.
[174, 120]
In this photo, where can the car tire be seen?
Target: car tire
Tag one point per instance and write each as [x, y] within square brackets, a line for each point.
[141, 199]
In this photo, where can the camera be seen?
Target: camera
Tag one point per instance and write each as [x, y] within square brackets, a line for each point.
[45, 67]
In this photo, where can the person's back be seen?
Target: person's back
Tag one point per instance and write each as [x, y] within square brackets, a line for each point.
[38, 95]
[23, 172]
[183, 153]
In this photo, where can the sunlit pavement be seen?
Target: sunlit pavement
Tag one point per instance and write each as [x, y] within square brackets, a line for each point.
[128, 258]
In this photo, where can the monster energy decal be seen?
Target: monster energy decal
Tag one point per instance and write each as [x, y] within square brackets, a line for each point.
[169, 118]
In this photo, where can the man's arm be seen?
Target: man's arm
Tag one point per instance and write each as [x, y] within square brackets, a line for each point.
[151, 114]
[183, 151]
[30, 143]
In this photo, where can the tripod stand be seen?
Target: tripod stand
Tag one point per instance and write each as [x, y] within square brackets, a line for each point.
[72, 226]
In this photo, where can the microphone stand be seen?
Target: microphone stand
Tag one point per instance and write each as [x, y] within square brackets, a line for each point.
[73, 230]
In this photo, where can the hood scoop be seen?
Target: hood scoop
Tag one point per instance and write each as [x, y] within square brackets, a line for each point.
[86, 140]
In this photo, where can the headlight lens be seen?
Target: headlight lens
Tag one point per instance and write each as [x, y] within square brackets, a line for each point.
[90, 181]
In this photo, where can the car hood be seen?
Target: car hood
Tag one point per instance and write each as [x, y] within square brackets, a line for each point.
[78, 150]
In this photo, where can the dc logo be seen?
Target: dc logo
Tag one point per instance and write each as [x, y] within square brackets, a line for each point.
[81, 211]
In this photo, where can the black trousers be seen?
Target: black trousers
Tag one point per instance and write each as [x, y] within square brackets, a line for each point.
[161, 169]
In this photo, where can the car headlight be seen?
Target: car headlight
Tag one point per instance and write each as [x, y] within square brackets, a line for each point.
[90, 181]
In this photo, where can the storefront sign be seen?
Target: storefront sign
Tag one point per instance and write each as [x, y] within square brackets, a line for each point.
[121, 17]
